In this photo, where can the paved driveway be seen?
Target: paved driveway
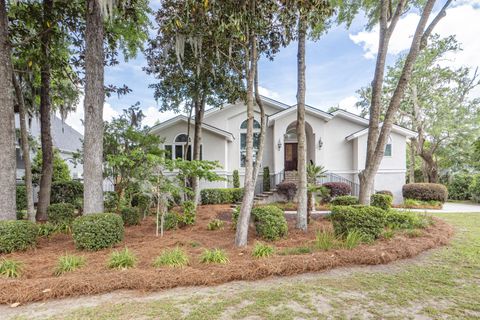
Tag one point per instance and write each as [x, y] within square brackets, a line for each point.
[454, 207]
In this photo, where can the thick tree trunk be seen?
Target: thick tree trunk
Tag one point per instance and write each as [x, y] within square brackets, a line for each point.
[25, 147]
[45, 110]
[7, 124]
[197, 142]
[411, 168]
[430, 167]
[301, 135]
[94, 99]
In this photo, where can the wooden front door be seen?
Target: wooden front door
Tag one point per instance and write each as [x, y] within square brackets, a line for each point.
[291, 158]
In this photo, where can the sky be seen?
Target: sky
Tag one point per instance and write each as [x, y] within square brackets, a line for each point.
[338, 64]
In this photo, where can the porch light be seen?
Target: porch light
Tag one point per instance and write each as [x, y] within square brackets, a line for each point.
[320, 144]
[279, 145]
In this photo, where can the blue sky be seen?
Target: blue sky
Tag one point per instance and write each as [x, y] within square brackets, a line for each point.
[338, 64]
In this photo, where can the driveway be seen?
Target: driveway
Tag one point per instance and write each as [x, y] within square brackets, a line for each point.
[454, 207]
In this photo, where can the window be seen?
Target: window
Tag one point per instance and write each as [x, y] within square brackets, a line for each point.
[388, 148]
[180, 144]
[168, 151]
[243, 141]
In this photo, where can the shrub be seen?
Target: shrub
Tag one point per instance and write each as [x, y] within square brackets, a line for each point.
[270, 223]
[10, 268]
[171, 220]
[122, 259]
[236, 179]
[337, 189]
[266, 179]
[189, 213]
[97, 231]
[353, 239]
[214, 256]
[288, 189]
[262, 250]
[130, 216]
[47, 229]
[110, 201]
[221, 195]
[69, 263]
[17, 235]
[458, 187]
[176, 258]
[326, 240]
[61, 213]
[235, 215]
[142, 203]
[215, 224]
[383, 201]
[345, 201]
[367, 220]
[475, 188]
[21, 198]
[413, 204]
[387, 192]
[425, 191]
[406, 220]
[66, 191]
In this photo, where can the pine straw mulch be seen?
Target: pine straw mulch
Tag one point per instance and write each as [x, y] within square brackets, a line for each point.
[38, 283]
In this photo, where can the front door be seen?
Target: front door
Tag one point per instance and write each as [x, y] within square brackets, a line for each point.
[291, 158]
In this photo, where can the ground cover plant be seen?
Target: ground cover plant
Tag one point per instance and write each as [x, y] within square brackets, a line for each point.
[262, 250]
[122, 259]
[10, 268]
[69, 263]
[215, 224]
[171, 258]
[421, 204]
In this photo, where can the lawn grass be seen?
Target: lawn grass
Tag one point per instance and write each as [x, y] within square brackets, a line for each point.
[443, 284]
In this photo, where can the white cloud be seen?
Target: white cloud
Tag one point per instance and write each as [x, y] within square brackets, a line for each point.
[348, 103]
[459, 21]
[269, 93]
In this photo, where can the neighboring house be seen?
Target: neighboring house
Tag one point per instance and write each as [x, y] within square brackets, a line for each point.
[337, 141]
[65, 139]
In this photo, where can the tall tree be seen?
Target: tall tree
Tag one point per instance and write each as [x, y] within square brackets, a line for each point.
[7, 124]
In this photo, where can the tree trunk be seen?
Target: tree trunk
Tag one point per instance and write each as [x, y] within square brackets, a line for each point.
[197, 143]
[45, 110]
[25, 148]
[411, 169]
[94, 99]
[7, 125]
[430, 167]
[301, 135]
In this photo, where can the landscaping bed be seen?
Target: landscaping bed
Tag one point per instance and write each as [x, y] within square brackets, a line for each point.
[38, 282]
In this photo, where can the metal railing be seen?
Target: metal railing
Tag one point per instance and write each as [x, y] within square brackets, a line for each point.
[332, 177]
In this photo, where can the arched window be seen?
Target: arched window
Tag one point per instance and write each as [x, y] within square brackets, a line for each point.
[178, 150]
[243, 141]
[181, 138]
[388, 148]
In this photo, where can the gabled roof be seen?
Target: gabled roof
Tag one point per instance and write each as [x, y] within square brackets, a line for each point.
[274, 103]
[395, 128]
[181, 118]
[308, 109]
[350, 116]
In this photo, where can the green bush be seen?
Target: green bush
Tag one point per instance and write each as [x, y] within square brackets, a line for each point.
[266, 179]
[171, 220]
[142, 202]
[17, 235]
[344, 201]
[475, 188]
[61, 213]
[270, 223]
[236, 179]
[97, 231]
[367, 220]
[412, 203]
[326, 240]
[175, 258]
[221, 195]
[122, 259]
[215, 224]
[425, 191]
[262, 250]
[68, 263]
[10, 268]
[353, 239]
[458, 187]
[189, 213]
[235, 215]
[130, 216]
[21, 198]
[110, 201]
[66, 192]
[397, 219]
[383, 201]
[214, 256]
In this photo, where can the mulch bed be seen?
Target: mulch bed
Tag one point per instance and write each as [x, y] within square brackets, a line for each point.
[38, 283]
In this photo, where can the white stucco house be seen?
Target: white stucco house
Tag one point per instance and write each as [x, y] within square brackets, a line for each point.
[337, 141]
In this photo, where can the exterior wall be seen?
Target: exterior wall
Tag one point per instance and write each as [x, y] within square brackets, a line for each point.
[392, 181]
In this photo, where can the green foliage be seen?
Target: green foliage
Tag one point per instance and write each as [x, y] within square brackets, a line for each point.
[175, 258]
[235, 215]
[353, 239]
[458, 186]
[425, 191]
[142, 202]
[397, 219]
[326, 240]
[367, 220]
[314, 172]
[262, 250]
[236, 179]
[122, 259]
[48, 229]
[221, 195]
[66, 191]
[10, 268]
[387, 192]
[345, 201]
[189, 213]
[383, 201]
[60, 168]
[266, 179]
[130, 216]
[295, 251]
[110, 201]
[214, 256]
[97, 231]
[68, 263]
[61, 213]
[215, 224]
[413, 204]
[338, 189]
[171, 220]
[270, 223]
[17, 235]
[21, 198]
[475, 188]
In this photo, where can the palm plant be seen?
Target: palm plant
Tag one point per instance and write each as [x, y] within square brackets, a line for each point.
[313, 173]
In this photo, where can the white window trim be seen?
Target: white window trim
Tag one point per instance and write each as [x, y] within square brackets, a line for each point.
[389, 142]
[244, 131]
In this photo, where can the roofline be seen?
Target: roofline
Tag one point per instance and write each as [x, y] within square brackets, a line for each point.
[350, 115]
[325, 115]
[395, 128]
[271, 101]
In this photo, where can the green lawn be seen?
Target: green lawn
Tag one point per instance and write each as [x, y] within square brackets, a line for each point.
[443, 284]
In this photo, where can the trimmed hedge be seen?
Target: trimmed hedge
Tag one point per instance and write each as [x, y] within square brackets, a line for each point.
[236, 179]
[66, 192]
[345, 201]
[405, 220]
[383, 201]
[130, 216]
[367, 220]
[21, 198]
[425, 191]
[17, 235]
[288, 189]
[338, 189]
[387, 192]
[97, 231]
[61, 213]
[270, 223]
[221, 195]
